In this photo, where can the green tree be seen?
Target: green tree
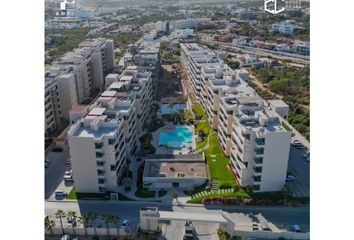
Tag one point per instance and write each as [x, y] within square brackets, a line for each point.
[107, 220]
[60, 214]
[84, 219]
[72, 216]
[115, 220]
[49, 224]
[93, 217]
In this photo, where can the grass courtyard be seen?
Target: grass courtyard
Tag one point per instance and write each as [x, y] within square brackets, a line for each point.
[217, 163]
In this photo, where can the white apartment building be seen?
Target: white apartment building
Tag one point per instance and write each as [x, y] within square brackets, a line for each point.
[225, 115]
[187, 23]
[137, 84]
[284, 28]
[301, 47]
[145, 54]
[260, 146]
[193, 57]
[60, 96]
[98, 151]
[108, 131]
[76, 76]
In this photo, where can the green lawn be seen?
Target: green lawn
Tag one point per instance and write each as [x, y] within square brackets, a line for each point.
[203, 125]
[241, 193]
[198, 109]
[87, 196]
[218, 169]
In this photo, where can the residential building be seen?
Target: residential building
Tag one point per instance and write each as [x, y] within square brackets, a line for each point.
[225, 115]
[284, 28]
[279, 107]
[174, 171]
[60, 96]
[136, 83]
[188, 23]
[260, 146]
[301, 47]
[193, 57]
[74, 78]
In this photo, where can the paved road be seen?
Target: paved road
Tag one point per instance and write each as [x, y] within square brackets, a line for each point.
[130, 210]
[55, 172]
[301, 170]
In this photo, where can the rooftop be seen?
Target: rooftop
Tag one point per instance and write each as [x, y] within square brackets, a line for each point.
[278, 103]
[79, 108]
[171, 169]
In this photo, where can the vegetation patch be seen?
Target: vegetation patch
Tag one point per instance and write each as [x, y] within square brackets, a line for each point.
[87, 196]
[240, 193]
[217, 163]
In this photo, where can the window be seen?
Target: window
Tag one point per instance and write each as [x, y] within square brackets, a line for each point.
[175, 184]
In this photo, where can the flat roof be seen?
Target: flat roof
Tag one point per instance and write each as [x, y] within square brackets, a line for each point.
[171, 169]
[88, 132]
[278, 103]
[97, 111]
[126, 78]
[79, 108]
[108, 94]
[184, 216]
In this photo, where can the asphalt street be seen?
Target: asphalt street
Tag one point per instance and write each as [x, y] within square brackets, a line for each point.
[55, 172]
[301, 170]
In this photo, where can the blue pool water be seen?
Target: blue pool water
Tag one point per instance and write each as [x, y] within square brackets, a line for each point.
[176, 138]
[167, 109]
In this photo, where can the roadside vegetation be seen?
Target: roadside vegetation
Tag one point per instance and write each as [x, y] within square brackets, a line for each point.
[292, 85]
[64, 40]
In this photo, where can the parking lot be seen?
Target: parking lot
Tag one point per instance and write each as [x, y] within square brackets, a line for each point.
[55, 171]
[298, 167]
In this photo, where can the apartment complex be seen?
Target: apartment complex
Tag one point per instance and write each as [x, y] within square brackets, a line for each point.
[108, 131]
[249, 131]
[146, 54]
[75, 77]
[284, 28]
[260, 145]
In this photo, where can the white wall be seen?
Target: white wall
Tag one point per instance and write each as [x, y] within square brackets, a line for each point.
[68, 95]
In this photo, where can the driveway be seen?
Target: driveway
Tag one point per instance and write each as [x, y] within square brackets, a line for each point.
[55, 172]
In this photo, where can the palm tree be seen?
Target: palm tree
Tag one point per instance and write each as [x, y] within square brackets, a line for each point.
[60, 214]
[93, 217]
[84, 219]
[49, 224]
[115, 220]
[107, 221]
[72, 216]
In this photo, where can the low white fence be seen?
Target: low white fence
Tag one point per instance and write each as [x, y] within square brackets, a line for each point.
[89, 231]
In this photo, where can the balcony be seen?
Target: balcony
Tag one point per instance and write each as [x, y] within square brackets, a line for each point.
[257, 179]
[100, 163]
[260, 142]
[98, 146]
[258, 160]
[100, 172]
[101, 181]
[99, 155]
[257, 170]
[259, 151]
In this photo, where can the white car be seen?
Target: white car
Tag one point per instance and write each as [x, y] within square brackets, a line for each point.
[60, 193]
[124, 224]
[290, 178]
[65, 237]
[68, 161]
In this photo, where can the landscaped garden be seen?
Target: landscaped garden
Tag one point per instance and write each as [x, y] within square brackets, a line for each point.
[217, 163]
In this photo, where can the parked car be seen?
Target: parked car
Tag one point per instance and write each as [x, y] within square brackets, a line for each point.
[68, 161]
[307, 154]
[124, 224]
[296, 228]
[307, 159]
[290, 178]
[68, 178]
[65, 237]
[46, 164]
[57, 149]
[297, 143]
[60, 193]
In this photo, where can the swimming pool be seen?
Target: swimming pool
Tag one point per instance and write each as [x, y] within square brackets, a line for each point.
[167, 109]
[176, 138]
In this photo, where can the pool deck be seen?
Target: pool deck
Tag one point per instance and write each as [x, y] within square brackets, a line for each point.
[164, 150]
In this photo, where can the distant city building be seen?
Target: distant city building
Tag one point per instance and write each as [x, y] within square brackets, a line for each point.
[188, 23]
[301, 47]
[77, 75]
[284, 28]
